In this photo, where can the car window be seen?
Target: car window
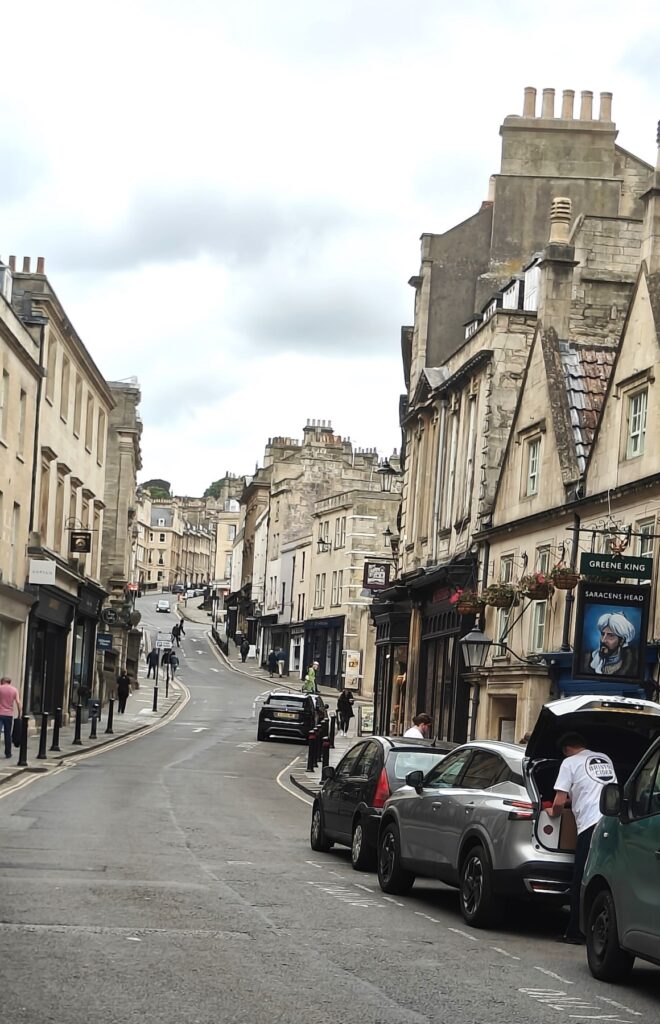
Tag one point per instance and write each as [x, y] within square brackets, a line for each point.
[483, 771]
[348, 763]
[371, 760]
[447, 772]
[645, 792]
[284, 702]
[401, 762]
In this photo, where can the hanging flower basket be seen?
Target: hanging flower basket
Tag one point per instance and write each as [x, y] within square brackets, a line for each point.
[467, 602]
[537, 586]
[564, 577]
[501, 595]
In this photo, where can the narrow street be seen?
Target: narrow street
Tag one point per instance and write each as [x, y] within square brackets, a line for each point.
[170, 879]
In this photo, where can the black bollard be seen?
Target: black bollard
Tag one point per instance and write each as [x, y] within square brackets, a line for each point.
[155, 703]
[77, 742]
[57, 724]
[111, 715]
[317, 746]
[92, 731]
[325, 753]
[333, 726]
[43, 737]
[167, 686]
[311, 740]
[22, 750]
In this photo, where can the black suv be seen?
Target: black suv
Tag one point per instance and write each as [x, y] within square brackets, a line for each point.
[291, 715]
[349, 806]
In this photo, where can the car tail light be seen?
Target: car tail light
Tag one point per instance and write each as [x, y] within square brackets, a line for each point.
[382, 790]
[523, 810]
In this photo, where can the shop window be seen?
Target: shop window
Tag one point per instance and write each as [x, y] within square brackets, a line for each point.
[636, 423]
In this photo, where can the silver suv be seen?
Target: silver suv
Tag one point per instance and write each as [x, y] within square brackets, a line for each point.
[479, 821]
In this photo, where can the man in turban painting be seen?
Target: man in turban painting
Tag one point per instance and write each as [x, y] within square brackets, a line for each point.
[613, 656]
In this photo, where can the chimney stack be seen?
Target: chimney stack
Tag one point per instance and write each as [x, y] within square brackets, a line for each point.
[529, 103]
[605, 113]
[41, 263]
[26, 264]
[548, 107]
[12, 263]
[556, 267]
[586, 105]
[567, 102]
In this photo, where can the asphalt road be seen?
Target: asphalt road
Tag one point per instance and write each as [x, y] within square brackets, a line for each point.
[170, 879]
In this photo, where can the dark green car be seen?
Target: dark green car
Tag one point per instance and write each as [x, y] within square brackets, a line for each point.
[621, 884]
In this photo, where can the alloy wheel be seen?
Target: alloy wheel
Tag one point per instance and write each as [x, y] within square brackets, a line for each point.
[473, 885]
[316, 825]
[387, 856]
[600, 931]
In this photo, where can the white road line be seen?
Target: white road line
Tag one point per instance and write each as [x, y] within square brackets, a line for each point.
[504, 952]
[429, 918]
[314, 864]
[299, 796]
[202, 728]
[551, 974]
[390, 899]
[619, 1006]
[365, 887]
[465, 935]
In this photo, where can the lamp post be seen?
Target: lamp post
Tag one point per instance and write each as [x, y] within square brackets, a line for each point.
[387, 474]
[475, 646]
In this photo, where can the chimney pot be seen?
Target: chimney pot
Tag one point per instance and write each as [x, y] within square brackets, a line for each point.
[560, 220]
[26, 264]
[605, 113]
[529, 103]
[41, 263]
[568, 99]
[586, 105]
[548, 107]
[12, 259]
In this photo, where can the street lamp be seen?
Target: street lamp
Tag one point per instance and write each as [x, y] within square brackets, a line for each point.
[387, 472]
[475, 645]
[392, 540]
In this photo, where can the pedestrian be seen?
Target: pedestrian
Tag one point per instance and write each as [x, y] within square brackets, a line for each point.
[152, 662]
[272, 662]
[309, 682]
[165, 660]
[176, 634]
[582, 775]
[281, 658]
[8, 697]
[123, 691]
[345, 710]
[174, 663]
[182, 631]
[245, 649]
[421, 727]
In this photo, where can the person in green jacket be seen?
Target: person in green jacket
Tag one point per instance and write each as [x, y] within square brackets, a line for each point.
[309, 682]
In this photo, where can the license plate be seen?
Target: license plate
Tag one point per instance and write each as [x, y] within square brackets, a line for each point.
[285, 714]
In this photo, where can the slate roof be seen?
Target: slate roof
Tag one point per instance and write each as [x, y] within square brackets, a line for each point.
[587, 370]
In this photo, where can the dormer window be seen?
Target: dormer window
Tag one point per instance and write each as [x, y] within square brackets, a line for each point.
[532, 466]
[637, 409]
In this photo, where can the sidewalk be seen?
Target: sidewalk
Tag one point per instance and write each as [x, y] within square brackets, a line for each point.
[138, 716]
[310, 782]
[250, 667]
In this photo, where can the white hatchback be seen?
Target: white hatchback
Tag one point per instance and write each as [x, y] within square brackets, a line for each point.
[163, 606]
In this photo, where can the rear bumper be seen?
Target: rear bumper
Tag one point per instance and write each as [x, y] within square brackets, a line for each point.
[294, 730]
[536, 880]
[370, 825]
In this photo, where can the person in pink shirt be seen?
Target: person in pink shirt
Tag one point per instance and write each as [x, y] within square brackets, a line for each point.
[8, 697]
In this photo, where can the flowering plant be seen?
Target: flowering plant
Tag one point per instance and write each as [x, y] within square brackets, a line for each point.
[501, 594]
[535, 584]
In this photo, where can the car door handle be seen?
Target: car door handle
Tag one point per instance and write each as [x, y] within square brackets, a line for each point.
[657, 853]
[436, 806]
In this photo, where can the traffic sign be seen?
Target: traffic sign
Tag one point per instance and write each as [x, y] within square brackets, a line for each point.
[164, 645]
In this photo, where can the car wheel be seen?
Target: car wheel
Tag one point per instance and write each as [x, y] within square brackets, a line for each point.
[479, 905]
[318, 840]
[363, 856]
[261, 735]
[607, 961]
[392, 877]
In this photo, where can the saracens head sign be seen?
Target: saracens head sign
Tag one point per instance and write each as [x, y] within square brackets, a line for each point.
[610, 632]
[376, 575]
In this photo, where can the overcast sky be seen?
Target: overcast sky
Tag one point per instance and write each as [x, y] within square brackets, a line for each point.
[229, 195]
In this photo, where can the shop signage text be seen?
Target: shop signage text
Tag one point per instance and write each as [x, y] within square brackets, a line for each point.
[619, 565]
[42, 570]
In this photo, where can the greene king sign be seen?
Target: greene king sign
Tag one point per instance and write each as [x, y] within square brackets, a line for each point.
[616, 565]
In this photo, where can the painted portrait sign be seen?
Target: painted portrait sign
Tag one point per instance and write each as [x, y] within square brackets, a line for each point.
[610, 632]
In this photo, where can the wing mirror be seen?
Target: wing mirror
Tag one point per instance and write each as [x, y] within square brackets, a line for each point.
[415, 779]
[327, 773]
[326, 706]
[611, 800]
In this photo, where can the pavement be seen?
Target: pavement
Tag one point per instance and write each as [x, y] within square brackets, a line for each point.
[171, 879]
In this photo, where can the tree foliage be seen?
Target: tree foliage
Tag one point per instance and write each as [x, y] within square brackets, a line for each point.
[215, 489]
[157, 488]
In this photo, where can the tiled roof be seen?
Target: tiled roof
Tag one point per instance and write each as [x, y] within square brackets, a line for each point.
[587, 370]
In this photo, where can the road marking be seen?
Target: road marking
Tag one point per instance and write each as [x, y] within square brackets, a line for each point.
[299, 796]
[215, 670]
[365, 887]
[557, 999]
[619, 1006]
[390, 899]
[241, 863]
[202, 728]
[345, 895]
[465, 935]
[504, 952]
[557, 977]
[132, 938]
[429, 918]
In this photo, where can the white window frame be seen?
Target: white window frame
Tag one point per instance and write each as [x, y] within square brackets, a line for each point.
[539, 623]
[532, 466]
[638, 403]
[645, 545]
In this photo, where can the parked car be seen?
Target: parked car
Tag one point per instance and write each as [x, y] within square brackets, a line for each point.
[162, 606]
[353, 794]
[621, 884]
[190, 593]
[478, 819]
[198, 592]
[290, 715]
[178, 588]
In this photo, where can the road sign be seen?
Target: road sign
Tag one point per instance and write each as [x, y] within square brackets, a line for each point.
[163, 640]
[629, 566]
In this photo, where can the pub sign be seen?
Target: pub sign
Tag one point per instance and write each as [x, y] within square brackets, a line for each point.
[376, 575]
[610, 631]
[80, 542]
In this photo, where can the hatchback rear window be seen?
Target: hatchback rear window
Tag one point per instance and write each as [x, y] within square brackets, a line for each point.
[283, 702]
[400, 762]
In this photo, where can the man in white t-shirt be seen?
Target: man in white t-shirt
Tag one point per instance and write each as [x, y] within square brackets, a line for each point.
[579, 784]
[421, 727]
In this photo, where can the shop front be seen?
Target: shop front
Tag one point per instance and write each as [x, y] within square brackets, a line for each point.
[392, 621]
[296, 649]
[324, 643]
[14, 611]
[83, 661]
[48, 636]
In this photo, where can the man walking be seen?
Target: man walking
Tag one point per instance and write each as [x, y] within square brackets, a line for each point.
[421, 727]
[245, 650]
[174, 664]
[8, 697]
[176, 634]
[123, 691]
[581, 778]
[281, 658]
[152, 662]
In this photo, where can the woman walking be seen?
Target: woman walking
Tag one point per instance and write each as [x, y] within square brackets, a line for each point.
[123, 691]
[345, 710]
